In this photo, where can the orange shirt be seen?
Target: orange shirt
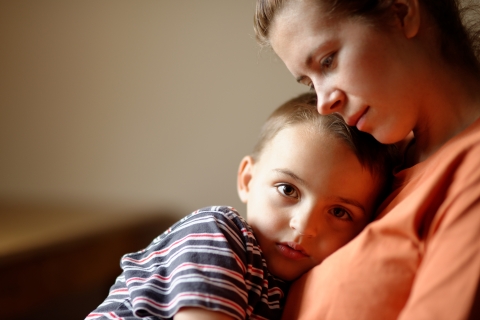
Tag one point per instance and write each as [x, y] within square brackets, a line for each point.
[419, 260]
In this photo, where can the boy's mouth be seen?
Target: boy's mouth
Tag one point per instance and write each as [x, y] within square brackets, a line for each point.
[292, 250]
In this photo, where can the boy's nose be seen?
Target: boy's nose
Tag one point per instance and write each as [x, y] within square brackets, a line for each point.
[330, 101]
[304, 223]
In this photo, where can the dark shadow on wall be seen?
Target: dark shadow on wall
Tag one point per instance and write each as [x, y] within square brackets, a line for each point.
[66, 274]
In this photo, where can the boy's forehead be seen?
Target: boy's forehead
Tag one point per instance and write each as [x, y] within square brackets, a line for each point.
[296, 140]
[325, 165]
[307, 142]
[285, 133]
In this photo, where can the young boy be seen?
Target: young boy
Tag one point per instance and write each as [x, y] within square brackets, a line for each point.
[311, 185]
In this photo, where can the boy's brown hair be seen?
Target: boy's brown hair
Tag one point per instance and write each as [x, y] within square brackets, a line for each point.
[378, 158]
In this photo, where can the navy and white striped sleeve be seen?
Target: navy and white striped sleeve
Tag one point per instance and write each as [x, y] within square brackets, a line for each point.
[199, 262]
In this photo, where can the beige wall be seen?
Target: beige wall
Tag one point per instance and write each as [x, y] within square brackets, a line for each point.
[149, 103]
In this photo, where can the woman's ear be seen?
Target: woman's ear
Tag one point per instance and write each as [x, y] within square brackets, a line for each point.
[407, 13]
[244, 176]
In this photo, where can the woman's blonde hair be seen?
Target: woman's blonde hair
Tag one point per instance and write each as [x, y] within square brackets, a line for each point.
[457, 23]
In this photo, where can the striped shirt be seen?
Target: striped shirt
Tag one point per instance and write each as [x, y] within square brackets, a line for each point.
[210, 259]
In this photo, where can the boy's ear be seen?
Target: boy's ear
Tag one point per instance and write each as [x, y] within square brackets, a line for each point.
[407, 13]
[244, 176]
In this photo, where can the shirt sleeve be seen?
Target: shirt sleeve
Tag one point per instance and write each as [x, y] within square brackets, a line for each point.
[199, 262]
[448, 276]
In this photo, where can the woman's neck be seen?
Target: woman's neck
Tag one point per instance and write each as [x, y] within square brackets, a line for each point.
[453, 107]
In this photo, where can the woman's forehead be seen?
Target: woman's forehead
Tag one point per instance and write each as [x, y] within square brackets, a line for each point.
[301, 16]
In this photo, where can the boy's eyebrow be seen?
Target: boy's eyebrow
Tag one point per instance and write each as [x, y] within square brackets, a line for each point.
[291, 174]
[351, 202]
[335, 199]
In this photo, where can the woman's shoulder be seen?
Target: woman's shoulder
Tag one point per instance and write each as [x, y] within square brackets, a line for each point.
[456, 153]
[467, 138]
[461, 153]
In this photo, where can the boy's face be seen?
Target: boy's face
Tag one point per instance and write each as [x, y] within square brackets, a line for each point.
[307, 195]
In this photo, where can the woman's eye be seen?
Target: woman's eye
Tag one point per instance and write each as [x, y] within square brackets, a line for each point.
[287, 190]
[340, 213]
[327, 62]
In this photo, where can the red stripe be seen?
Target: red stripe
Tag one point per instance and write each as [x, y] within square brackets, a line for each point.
[94, 315]
[193, 235]
[255, 271]
[123, 290]
[193, 296]
[240, 262]
[185, 266]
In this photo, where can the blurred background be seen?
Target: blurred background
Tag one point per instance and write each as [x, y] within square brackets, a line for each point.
[116, 118]
[143, 103]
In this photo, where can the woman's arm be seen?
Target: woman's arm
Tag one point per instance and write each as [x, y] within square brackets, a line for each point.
[200, 314]
[447, 279]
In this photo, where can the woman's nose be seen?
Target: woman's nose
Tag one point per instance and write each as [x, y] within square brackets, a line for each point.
[304, 223]
[330, 101]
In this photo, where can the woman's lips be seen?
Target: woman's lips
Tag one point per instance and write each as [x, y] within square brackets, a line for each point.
[358, 119]
[361, 121]
[292, 250]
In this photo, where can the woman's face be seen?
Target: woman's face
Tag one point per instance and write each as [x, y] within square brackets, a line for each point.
[358, 71]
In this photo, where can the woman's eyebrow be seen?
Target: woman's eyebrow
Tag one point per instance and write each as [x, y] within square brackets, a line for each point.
[301, 79]
[309, 59]
[308, 62]
[292, 175]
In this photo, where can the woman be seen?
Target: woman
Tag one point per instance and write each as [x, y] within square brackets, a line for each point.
[394, 69]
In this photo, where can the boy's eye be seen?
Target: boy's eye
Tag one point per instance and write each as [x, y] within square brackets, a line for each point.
[287, 190]
[340, 213]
